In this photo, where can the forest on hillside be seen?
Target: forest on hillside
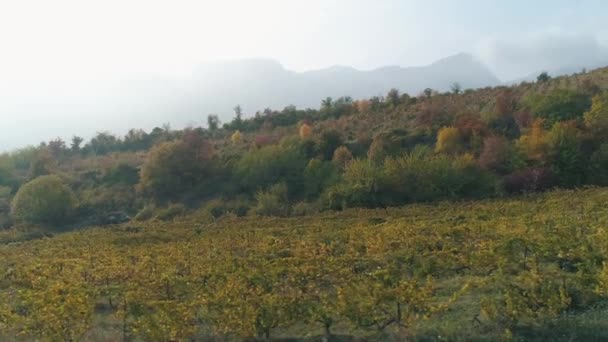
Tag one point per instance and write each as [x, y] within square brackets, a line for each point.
[377, 152]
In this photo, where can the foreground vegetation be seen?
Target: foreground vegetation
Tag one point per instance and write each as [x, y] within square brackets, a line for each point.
[528, 268]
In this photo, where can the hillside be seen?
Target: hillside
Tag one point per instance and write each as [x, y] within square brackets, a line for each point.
[526, 268]
[145, 101]
[377, 152]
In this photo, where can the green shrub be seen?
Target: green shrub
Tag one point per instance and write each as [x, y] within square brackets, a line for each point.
[103, 199]
[171, 212]
[260, 168]
[305, 209]
[122, 174]
[45, 200]
[559, 105]
[273, 202]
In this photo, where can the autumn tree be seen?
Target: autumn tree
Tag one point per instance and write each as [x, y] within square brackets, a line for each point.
[177, 166]
[496, 155]
[342, 156]
[42, 164]
[378, 150]
[534, 145]
[305, 131]
[449, 140]
[236, 137]
[596, 119]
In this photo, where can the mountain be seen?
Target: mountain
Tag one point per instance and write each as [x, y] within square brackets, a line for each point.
[262, 83]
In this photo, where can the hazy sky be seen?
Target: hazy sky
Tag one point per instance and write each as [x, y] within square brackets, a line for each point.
[80, 39]
[55, 55]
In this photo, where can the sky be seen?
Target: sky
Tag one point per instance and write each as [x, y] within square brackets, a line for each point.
[60, 49]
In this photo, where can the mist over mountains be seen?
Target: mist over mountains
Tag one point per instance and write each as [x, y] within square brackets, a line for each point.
[147, 101]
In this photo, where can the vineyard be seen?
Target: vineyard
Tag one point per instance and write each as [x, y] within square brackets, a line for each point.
[488, 270]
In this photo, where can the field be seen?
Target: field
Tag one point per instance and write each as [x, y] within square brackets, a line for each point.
[525, 268]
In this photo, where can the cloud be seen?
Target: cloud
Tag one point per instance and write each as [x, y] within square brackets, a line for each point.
[553, 50]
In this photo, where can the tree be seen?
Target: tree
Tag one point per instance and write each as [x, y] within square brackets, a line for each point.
[449, 140]
[496, 155]
[393, 98]
[543, 77]
[596, 119]
[329, 141]
[238, 115]
[559, 105]
[305, 131]
[598, 164]
[177, 166]
[42, 164]
[273, 202]
[45, 200]
[565, 154]
[104, 143]
[280, 163]
[76, 143]
[534, 144]
[428, 92]
[342, 156]
[319, 175]
[377, 150]
[456, 88]
[363, 106]
[213, 122]
[236, 137]
[57, 147]
[327, 104]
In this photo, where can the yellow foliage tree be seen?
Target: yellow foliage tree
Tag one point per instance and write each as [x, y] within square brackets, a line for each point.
[236, 137]
[449, 140]
[362, 106]
[534, 144]
[596, 119]
[305, 131]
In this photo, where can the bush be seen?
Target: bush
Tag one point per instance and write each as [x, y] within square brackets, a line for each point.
[559, 105]
[259, 169]
[528, 180]
[103, 199]
[423, 177]
[122, 174]
[598, 164]
[273, 202]
[305, 209]
[218, 208]
[145, 214]
[362, 186]
[171, 212]
[45, 200]
[173, 168]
